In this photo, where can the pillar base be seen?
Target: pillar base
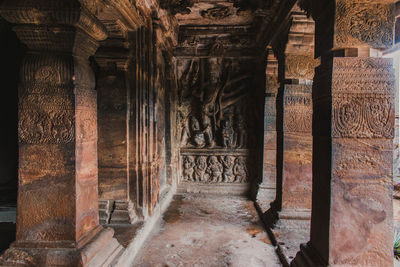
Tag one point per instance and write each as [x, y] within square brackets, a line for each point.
[295, 214]
[117, 212]
[307, 257]
[101, 250]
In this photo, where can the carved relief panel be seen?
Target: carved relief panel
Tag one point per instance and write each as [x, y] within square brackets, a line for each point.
[298, 109]
[216, 119]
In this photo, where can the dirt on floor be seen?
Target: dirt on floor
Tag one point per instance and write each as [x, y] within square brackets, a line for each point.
[208, 230]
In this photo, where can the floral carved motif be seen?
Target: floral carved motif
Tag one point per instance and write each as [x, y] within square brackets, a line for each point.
[362, 22]
[298, 109]
[362, 116]
[363, 95]
[300, 67]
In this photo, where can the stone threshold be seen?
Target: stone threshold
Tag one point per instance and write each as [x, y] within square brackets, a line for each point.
[133, 237]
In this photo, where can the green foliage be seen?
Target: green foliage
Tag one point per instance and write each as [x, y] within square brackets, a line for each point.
[396, 246]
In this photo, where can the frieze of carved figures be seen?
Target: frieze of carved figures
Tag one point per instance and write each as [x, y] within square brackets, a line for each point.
[300, 67]
[215, 169]
[55, 126]
[364, 22]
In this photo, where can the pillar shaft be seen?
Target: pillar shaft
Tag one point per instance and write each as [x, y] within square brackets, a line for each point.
[353, 96]
[57, 213]
[267, 188]
[297, 148]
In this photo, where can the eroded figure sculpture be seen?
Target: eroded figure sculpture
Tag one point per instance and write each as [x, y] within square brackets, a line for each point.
[228, 176]
[188, 164]
[214, 169]
[240, 170]
[200, 169]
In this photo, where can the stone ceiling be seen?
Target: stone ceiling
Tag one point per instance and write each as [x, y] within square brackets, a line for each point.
[230, 25]
[215, 12]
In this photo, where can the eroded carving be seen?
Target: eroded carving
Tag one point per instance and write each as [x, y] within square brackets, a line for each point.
[218, 12]
[298, 109]
[364, 22]
[300, 67]
[217, 168]
[362, 92]
[214, 105]
[55, 126]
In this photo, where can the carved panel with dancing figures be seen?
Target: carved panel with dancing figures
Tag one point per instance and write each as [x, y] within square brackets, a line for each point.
[219, 166]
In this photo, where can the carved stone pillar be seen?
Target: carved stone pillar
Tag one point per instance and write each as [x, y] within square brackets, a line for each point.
[353, 137]
[57, 218]
[267, 188]
[297, 137]
[114, 153]
[297, 118]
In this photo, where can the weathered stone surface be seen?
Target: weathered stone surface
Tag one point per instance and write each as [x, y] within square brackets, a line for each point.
[238, 238]
[297, 148]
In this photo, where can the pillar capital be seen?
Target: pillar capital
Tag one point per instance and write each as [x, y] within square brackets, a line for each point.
[55, 26]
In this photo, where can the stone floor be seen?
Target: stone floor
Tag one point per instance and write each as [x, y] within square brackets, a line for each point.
[290, 234]
[208, 230]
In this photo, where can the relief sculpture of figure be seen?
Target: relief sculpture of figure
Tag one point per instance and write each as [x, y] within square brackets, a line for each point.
[228, 169]
[185, 131]
[207, 130]
[241, 132]
[214, 169]
[188, 164]
[197, 134]
[227, 134]
[240, 170]
[200, 169]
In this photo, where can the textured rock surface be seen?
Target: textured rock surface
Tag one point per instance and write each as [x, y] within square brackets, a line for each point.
[199, 230]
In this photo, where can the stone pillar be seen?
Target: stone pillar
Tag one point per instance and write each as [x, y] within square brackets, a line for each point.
[114, 153]
[297, 119]
[353, 97]
[297, 143]
[267, 188]
[57, 217]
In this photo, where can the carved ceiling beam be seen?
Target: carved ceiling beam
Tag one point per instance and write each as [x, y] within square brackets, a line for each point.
[209, 41]
[177, 6]
[266, 26]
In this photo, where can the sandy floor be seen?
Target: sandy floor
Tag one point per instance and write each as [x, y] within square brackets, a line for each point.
[200, 230]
